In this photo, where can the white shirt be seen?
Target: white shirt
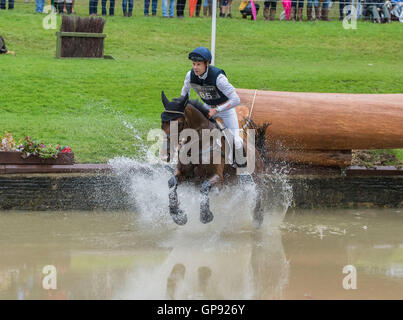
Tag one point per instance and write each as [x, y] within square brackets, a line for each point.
[222, 84]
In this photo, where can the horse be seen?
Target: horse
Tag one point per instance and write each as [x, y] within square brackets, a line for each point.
[191, 114]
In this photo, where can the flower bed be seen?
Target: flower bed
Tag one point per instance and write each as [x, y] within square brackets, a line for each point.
[29, 151]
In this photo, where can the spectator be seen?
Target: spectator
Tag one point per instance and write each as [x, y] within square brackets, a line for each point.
[374, 7]
[223, 4]
[246, 9]
[3, 48]
[3, 4]
[227, 9]
[127, 12]
[397, 10]
[342, 4]
[324, 10]
[59, 5]
[39, 5]
[171, 8]
[309, 10]
[180, 8]
[111, 7]
[93, 7]
[269, 11]
[297, 6]
[69, 6]
[153, 7]
[207, 6]
[198, 6]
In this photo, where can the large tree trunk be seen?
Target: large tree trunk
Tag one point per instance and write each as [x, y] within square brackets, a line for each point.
[322, 128]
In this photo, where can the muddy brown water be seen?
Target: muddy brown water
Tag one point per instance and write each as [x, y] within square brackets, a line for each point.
[115, 255]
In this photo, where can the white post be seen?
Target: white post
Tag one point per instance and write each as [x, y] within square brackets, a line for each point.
[213, 27]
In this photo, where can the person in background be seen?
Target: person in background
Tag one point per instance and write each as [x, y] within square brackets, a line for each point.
[59, 5]
[342, 4]
[93, 7]
[165, 8]
[3, 48]
[324, 15]
[3, 4]
[269, 11]
[223, 4]
[39, 6]
[68, 6]
[297, 7]
[180, 8]
[153, 7]
[127, 11]
[397, 10]
[375, 7]
[198, 7]
[226, 9]
[309, 6]
[111, 7]
[207, 7]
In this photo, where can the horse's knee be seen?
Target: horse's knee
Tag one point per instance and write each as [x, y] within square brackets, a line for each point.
[172, 182]
[205, 187]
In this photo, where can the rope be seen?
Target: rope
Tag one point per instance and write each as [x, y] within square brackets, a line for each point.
[250, 112]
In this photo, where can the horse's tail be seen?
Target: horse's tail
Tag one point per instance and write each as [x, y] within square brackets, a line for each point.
[260, 137]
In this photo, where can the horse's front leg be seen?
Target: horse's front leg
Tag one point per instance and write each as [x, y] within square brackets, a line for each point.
[206, 215]
[176, 213]
[258, 209]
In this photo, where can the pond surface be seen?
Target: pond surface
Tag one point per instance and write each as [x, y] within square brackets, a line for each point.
[120, 255]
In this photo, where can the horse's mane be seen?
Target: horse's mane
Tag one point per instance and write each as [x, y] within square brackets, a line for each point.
[199, 107]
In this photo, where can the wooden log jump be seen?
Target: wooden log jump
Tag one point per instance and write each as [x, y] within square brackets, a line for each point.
[322, 128]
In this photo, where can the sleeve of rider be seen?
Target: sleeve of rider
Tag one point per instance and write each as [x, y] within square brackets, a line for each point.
[228, 89]
[186, 85]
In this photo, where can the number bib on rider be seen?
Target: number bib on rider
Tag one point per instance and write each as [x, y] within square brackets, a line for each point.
[206, 92]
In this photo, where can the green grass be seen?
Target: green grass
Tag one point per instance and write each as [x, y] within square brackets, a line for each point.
[86, 103]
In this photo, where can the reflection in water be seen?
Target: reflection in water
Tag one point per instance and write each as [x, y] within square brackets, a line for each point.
[225, 259]
[246, 265]
[108, 255]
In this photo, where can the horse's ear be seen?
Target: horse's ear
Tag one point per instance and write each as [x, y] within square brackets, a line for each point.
[164, 98]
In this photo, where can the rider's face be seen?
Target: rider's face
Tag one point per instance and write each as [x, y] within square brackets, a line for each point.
[199, 67]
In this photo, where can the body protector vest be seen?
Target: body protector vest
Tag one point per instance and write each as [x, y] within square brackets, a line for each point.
[207, 88]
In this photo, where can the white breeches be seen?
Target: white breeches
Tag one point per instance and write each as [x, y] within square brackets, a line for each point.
[230, 119]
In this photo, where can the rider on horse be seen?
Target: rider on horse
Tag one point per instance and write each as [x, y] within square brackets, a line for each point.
[213, 87]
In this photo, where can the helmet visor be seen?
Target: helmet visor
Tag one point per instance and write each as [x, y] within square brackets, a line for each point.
[196, 57]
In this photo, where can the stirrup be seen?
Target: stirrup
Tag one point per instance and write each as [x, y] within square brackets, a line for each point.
[235, 164]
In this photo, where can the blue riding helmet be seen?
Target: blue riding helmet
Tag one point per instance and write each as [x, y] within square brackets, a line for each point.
[200, 54]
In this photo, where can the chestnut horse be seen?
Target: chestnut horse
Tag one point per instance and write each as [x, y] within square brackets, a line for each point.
[191, 115]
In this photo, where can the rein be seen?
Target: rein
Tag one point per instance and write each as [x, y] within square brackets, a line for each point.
[173, 111]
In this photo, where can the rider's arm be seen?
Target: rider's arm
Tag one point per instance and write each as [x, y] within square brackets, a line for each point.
[228, 89]
[186, 85]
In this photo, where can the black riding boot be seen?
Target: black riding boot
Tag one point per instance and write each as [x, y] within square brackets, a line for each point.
[240, 160]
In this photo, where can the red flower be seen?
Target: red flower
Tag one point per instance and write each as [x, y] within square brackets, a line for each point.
[66, 149]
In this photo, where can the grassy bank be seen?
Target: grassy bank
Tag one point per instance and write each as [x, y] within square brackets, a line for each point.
[100, 108]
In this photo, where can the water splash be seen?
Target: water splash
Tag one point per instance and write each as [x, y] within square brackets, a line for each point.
[201, 257]
[146, 183]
